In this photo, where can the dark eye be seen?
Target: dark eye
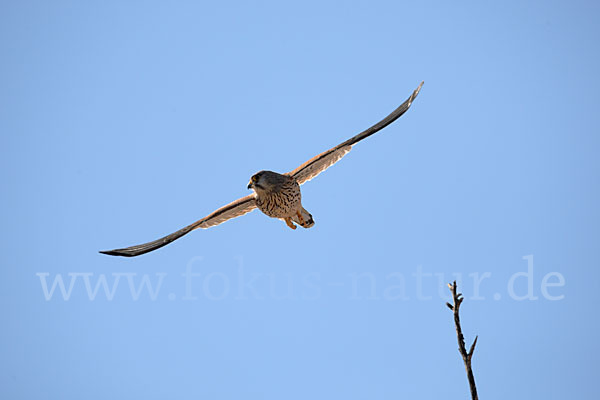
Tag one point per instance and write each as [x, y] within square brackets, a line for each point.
[255, 178]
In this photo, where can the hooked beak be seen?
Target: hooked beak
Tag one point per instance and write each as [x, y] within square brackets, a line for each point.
[250, 185]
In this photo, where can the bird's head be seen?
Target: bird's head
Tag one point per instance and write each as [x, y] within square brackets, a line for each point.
[265, 181]
[257, 181]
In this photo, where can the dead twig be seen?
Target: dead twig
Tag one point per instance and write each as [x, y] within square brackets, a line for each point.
[457, 299]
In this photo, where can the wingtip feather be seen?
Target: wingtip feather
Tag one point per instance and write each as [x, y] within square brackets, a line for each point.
[114, 253]
[416, 92]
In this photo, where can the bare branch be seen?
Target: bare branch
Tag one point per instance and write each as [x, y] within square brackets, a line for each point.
[466, 356]
[472, 349]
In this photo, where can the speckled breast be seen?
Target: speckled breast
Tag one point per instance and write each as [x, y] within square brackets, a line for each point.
[282, 203]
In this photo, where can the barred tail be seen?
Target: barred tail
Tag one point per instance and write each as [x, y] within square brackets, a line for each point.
[308, 219]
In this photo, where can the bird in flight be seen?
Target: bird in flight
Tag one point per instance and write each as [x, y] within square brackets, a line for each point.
[276, 195]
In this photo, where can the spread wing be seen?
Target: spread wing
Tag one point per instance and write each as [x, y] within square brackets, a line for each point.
[321, 162]
[235, 209]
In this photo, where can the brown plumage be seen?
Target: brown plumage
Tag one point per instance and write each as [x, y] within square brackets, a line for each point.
[276, 195]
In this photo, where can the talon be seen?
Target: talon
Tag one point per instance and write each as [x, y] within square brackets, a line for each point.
[288, 222]
[300, 218]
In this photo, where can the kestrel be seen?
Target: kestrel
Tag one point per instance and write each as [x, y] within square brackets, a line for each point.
[276, 195]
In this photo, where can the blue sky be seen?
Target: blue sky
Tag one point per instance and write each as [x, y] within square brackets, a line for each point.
[124, 121]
